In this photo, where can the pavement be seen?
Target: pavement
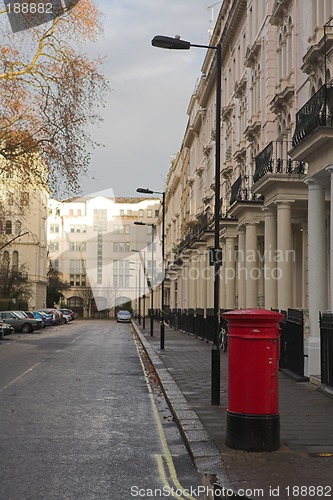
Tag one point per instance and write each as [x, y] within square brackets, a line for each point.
[303, 465]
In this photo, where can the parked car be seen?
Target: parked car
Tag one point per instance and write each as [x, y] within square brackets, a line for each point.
[31, 314]
[67, 314]
[124, 317]
[20, 323]
[45, 317]
[57, 317]
[5, 329]
[23, 314]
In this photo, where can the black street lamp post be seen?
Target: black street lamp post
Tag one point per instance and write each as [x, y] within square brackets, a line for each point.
[149, 191]
[153, 227]
[139, 306]
[176, 43]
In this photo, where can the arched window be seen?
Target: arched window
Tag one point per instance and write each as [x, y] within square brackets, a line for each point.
[15, 261]
[8, 228]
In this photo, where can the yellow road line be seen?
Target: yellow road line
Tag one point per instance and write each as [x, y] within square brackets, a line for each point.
[166, 452]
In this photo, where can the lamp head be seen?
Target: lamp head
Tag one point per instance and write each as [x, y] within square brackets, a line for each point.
[145, 191]
[167, 42]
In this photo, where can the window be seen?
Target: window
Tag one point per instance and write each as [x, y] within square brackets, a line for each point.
[8, 228]
[77, 280]
[121, 272]
[129, 213]
[100, 219]
[78, 228]
[149, 213]
[121, 229]
[75, 302]
[157, 213]
[71, 212]
[121, 246]
[54, 228]
[15, 264]
[54, 263]
[78, 246]
[77, 266]
[141, 213]
[53, 246]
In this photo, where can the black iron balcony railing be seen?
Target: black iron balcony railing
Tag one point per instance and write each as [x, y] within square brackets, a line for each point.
[240, 192]
[317, 112]
[269, 162]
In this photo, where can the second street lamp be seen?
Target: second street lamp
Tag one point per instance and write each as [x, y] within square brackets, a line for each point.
[176, 43]
[149, 191]
[153, 227]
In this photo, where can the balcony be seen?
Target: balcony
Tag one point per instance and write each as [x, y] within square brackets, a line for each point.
[240, 192]
[269, 161]
[317, 112]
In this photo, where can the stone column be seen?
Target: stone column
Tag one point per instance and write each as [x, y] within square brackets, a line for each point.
[330, 170]
[185, 284]
[192, 272]
[230, 272]
[179, 289]
[222, 304]
[284, 255]
[241, 270]
[251, 265]
[209, 280]
[202, 280]
[270, 276]
[317, 273]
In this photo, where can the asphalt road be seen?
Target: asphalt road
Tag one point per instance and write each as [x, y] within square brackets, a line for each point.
[81, 418]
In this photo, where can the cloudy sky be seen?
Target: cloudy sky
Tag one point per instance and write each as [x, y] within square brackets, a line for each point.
[145, 117]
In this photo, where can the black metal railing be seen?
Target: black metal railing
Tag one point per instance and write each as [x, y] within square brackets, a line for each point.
[241, 192]
[292, 343]
[317, 112]
[326, 348]
[269, 161]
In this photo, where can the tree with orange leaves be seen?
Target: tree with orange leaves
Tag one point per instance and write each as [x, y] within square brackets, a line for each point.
[49, 92]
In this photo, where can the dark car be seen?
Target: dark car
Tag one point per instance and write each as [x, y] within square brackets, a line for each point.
[124, 317]
[20, 323]
[5, 329]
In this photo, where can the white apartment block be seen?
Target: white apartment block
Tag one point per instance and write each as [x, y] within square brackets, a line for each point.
[101, 253]
[276, 171]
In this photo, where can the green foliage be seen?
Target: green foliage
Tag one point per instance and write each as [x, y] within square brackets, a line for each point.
[55, 287]
[14, 285]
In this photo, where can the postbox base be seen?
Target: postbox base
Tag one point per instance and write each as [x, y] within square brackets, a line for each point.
[253, 432]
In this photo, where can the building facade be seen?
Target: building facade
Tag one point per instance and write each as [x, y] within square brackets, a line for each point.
[106, 258]
[23, 232]
[275, 171]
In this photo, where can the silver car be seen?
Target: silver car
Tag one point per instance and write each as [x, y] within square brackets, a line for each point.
[124, 317]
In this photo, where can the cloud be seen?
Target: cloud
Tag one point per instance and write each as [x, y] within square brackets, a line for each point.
[145, 117]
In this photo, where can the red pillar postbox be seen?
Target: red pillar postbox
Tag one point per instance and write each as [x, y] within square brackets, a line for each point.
[253, 420]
